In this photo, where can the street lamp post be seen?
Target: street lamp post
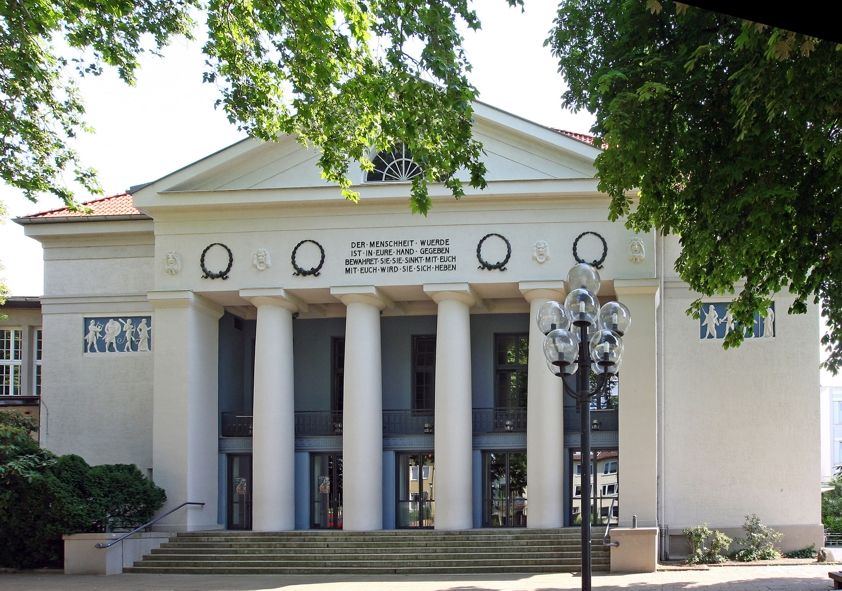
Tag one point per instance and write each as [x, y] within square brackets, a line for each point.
[582, 338]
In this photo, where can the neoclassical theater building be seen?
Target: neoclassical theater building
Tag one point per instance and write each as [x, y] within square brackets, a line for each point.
[253, 341]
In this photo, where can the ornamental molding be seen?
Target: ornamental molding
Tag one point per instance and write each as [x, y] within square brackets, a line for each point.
[261, 259]
[223, 274]
[597, 262]
[172, 263]
[499, 265]
[314, 271]
[637, 250]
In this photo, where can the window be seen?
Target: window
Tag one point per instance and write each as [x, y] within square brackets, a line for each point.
[36, 370]
[10, 361]
[511, 356]
[423, 372]
[837, 412]
[577, 491]
[603, 511]
[578, 468]
[610, 467]
[337, 369]
[393, 165]
[609, 490]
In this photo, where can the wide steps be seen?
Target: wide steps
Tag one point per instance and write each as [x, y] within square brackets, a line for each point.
[383, 552]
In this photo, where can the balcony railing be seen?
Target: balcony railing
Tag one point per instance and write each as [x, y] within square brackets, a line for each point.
[601, 420]
[395, 422]
[499, 420]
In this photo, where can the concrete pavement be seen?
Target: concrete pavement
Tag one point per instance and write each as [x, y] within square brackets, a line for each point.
[732, 578]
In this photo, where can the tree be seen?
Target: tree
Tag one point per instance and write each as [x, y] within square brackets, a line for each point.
[728, 130]
[343, 75]
[730, 134]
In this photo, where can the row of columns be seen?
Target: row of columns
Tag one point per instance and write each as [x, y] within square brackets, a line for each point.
[362, 439]
[185, 407]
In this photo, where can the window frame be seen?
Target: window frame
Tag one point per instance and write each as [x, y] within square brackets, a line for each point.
[37, 360]
[337, 373]
[14, 361]
[510, 368]
[428, 370]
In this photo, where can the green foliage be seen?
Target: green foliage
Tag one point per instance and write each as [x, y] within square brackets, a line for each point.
[808, 552]
[706, 546]
[759, 541]
[729, 133]
[43, 496]
[345, 76]
[42, 109]
[832, 507]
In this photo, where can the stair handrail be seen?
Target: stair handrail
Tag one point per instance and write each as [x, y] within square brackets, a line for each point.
[103, 546]
[606, 538]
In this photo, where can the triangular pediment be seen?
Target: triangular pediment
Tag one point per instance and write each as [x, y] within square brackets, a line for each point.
[514, 150]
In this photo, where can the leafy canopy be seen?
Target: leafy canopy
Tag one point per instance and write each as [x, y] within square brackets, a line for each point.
[730, 133]
[345, 76]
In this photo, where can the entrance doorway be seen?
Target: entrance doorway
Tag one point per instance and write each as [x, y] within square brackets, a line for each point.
[605, 487]
[415, 495]
[504, 489]
[326, 491]
[239, 491]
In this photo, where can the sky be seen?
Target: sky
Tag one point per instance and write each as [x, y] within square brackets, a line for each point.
[168, 120]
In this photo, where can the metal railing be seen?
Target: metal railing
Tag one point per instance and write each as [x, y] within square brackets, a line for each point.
[318, 423]
[103, 545]
[408, 422]
[395, 422]
[832, 539]
[601, 420]
[606, 538]
[497, 420]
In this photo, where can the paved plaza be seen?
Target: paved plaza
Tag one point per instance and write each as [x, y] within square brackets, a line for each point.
[743, 578]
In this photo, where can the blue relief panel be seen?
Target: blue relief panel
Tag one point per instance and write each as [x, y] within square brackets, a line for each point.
[715, 322]
[117, 334]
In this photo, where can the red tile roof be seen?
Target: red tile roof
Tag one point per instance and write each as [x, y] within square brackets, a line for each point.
[117, 205]
[582, 137]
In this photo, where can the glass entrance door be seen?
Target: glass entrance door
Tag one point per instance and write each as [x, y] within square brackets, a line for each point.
[504, 490]
[326, 491]
[416, 480]
[239, 491]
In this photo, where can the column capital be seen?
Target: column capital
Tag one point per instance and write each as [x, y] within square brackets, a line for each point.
[184, 299]
[461, 292]
[273, 297]
[361, 294]
[636, 286]
[547, 290]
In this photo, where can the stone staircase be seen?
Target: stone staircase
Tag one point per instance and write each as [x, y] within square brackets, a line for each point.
[479, 551]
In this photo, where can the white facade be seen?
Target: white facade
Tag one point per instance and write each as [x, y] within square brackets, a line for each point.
[704, 435]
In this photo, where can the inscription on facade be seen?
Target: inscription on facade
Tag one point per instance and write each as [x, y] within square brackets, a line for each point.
[366, 257]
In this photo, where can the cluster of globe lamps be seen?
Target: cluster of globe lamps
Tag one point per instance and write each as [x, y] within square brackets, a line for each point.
[582, 337]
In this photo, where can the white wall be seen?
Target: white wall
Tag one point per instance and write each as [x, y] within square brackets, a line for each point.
[98, 406]
[740, 426]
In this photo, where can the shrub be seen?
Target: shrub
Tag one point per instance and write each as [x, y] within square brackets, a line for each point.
[759, 541]
[706, 546]
[808, 552]
[43, 496]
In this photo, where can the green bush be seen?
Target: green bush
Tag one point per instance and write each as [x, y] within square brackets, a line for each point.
[832, 507]
[759, 541]
[43, 496]
[808, 552]
[706, 546]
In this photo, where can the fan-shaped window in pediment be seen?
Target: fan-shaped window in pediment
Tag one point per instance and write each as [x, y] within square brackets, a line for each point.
[393, 165]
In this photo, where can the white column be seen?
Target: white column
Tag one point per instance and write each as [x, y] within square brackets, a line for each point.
[544, 418]
[185, 406]
[453, 406]
[638, 413]
[362, 414]
[273, 428]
